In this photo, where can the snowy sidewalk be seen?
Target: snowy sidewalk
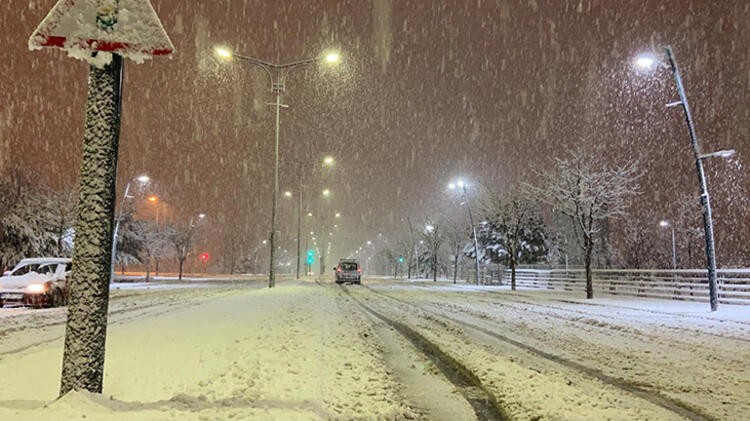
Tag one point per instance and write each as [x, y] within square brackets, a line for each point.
[287, 353]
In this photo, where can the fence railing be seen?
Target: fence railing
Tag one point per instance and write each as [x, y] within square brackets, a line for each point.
[681, 284]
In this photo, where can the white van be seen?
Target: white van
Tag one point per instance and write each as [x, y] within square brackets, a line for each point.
[38, 282]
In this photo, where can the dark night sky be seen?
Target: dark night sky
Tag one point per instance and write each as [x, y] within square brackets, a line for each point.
[429, 91]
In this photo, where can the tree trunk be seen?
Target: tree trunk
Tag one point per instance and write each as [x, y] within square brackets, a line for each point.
[156, 268]
[587, 259]
[182, 261]
[513, 274]
[455, 267]
[86, 328]
[434, 267]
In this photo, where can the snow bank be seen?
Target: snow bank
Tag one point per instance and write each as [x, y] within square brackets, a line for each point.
[288, 353]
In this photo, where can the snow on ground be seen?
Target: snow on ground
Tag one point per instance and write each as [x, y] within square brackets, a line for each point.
[285, 353]
[676, 350]
[233, 350]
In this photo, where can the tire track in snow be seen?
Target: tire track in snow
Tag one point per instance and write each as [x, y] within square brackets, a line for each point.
[654, 397]
[485, 406]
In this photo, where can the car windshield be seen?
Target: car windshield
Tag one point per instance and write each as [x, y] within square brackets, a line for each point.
[23, 270]
[349, 266]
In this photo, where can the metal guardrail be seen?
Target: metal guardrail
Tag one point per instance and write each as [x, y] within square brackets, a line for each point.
[681, 284]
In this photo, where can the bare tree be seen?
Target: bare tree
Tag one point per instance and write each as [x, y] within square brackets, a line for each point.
[588, 190]
[639, 245]
[433, 238]
[155, 245]
[456, 237]
[181, 238]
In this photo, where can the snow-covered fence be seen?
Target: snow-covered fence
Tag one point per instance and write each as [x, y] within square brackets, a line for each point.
[681, 284]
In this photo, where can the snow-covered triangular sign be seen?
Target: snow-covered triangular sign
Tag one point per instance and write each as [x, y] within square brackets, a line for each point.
[129, 28]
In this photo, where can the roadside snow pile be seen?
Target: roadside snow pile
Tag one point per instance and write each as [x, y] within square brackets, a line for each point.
[288, 353]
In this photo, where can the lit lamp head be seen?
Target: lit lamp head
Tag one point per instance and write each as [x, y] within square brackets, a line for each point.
[143, 179]
[664, 223]
[332, 57]
[223, 53]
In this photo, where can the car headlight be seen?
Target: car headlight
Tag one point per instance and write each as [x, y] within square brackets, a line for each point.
[35, 288]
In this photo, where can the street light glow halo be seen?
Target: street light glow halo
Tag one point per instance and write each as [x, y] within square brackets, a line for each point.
[332, 57]
[223, 52]
[143, 178]
[646, 61]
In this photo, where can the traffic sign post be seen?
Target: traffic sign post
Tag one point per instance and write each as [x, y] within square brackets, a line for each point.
[101, 32]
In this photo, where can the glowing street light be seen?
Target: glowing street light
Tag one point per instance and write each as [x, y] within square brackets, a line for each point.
[645, 61]
[287, 194]
[326, 192]
[143, 180]
[277, 75]
[223, 53]
[460, 184]
[333, 57]
[328, 161]
[667, 224]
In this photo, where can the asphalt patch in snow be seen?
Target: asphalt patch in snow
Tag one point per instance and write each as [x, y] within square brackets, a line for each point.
[485, 406]
[652, 396]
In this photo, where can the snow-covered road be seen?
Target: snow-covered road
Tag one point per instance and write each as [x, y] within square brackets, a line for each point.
[386, 350]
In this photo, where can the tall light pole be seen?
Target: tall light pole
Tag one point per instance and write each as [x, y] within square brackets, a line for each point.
[143, 180]
[328, 161]
[667, 224]
[461, 185]
[277, 74]
[708, 227]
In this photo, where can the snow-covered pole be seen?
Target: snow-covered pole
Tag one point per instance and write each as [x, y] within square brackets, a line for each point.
[299, 225]
[705, 200]
[86, 329]
[116, 231]
[277, 74]
[474, 233]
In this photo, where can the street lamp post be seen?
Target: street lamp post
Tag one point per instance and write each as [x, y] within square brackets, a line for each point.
[648, 61]
[461, 185]
[708, 226]
[277, 74]
[667, 224]
[143, 179]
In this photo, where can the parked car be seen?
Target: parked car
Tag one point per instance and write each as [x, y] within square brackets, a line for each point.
[348, 270]
[38, 282]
